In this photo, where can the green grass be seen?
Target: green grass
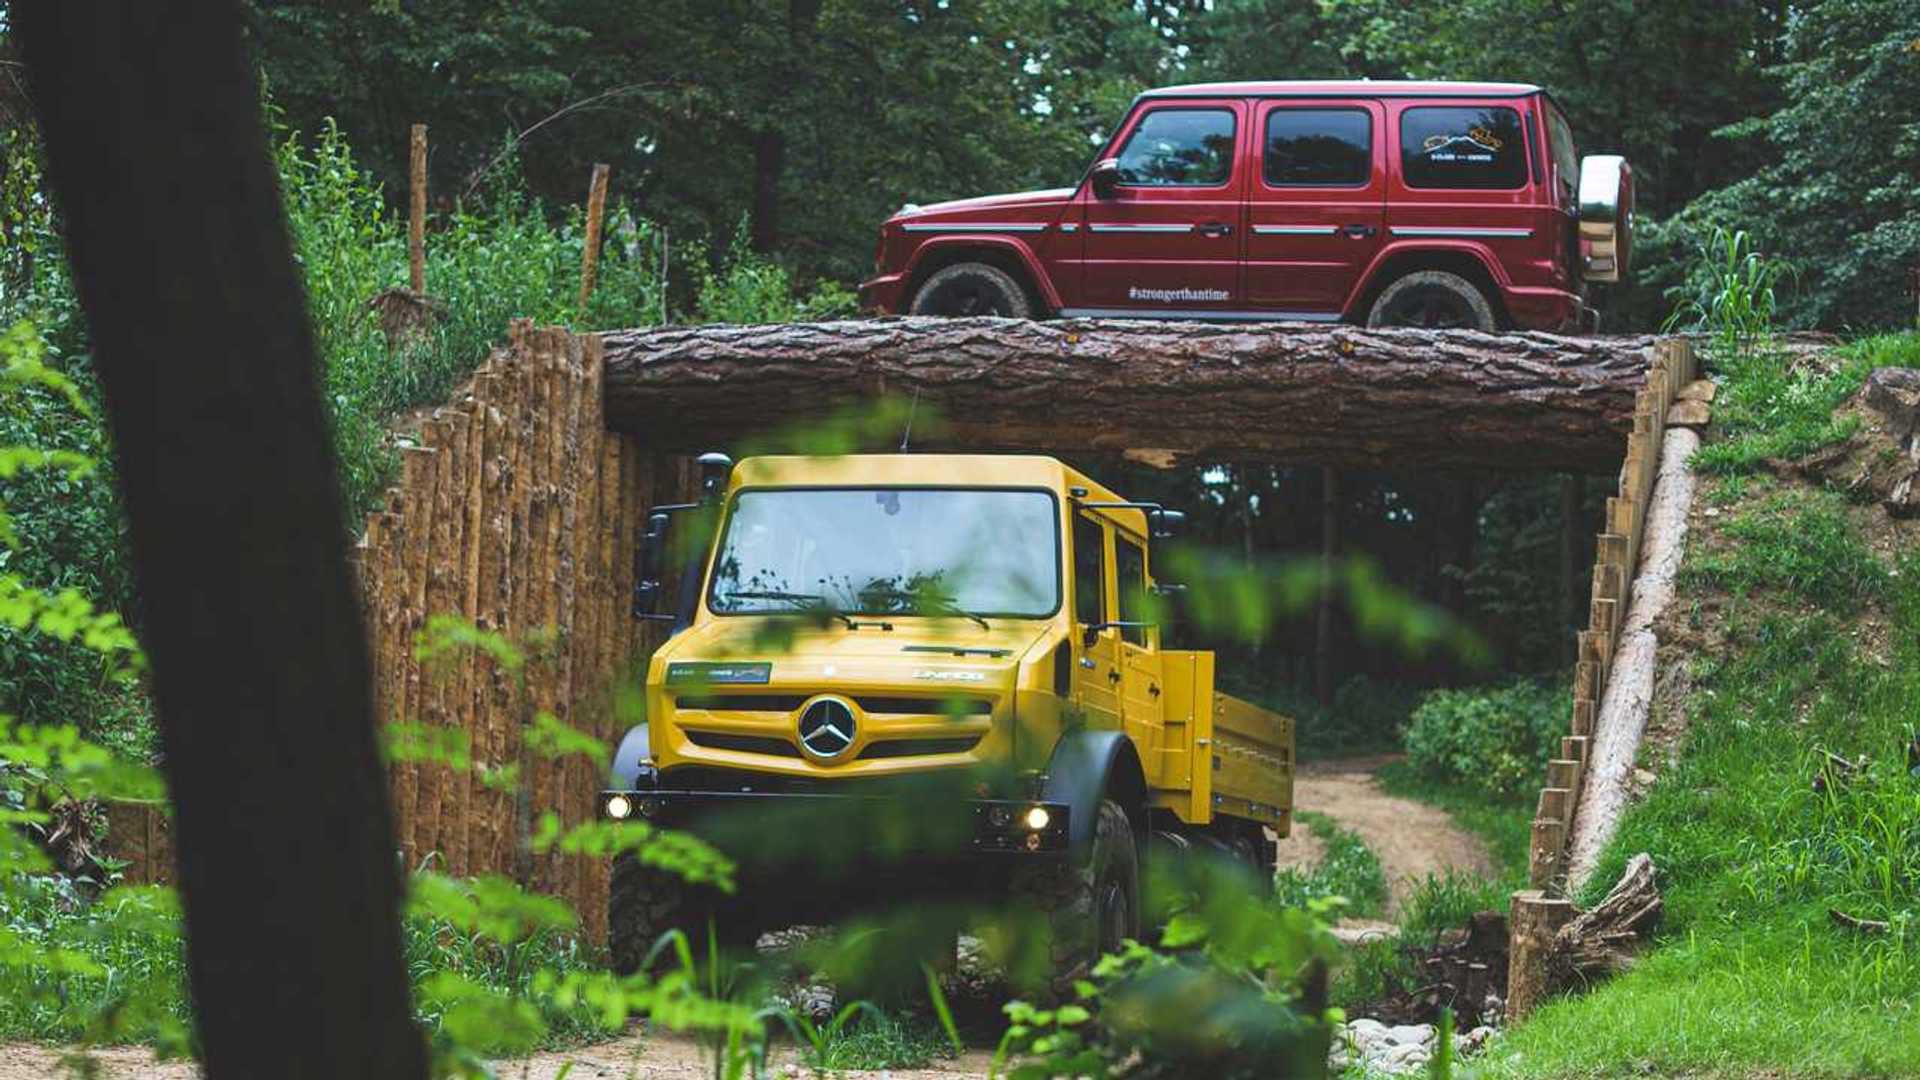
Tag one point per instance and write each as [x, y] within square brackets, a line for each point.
[881, 1041]
[1770, 408]
[1349, 869]
[1749, 975]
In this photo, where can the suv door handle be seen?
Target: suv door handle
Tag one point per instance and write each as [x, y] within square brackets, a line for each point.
[1360, 232]
[1214, 228]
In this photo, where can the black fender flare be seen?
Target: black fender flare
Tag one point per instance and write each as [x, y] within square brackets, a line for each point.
[1088, 766]
[636, 746]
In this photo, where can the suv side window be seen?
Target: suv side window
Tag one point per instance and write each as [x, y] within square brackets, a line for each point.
[1319, 148]
[1179, 148]
[1089, 571]
[1463, 147]
[1130, 561]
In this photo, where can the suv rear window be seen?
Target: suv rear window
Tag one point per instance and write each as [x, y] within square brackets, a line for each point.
[1319, 148]
[1179, 148]
[1444, 146]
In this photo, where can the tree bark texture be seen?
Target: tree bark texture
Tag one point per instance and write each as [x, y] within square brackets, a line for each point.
[159, 161]
[1343, 396]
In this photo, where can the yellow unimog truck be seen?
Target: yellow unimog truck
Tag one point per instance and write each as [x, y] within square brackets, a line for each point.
[858, 623]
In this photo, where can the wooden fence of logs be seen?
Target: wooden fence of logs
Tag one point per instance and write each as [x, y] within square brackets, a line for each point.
[1617, 558]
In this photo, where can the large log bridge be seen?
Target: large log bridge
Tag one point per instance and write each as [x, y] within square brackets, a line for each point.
[1344, 396]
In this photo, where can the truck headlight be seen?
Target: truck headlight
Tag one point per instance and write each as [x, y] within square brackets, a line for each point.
[1037, 818]
[619, 808]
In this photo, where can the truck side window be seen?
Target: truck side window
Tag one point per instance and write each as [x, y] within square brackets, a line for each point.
[1319, 148]
[1179, 148]
[1463, 147]
[1130, 561]
[1089, 570]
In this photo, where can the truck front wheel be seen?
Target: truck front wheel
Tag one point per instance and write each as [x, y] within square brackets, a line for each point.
[1434, 300]
[972, 288]
[644, 903]
[1090, 906]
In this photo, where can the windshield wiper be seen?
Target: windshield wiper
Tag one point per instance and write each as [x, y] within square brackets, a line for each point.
[813, 600]
[947, 605]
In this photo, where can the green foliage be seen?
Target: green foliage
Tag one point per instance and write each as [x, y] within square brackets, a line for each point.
[1348, 870]
[1735, 292]
[751, 288]
[1235, 989]
[1494, 739]
[1839, 179]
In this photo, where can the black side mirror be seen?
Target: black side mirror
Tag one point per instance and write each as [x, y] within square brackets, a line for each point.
[1105, 177]
[1168, 524]
[647, 590]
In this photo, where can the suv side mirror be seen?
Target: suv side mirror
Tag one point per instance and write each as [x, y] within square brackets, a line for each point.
[1105, 177]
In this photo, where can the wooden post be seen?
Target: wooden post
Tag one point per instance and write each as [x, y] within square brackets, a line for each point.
[596, 207]
[1533, 920]
[417, 221]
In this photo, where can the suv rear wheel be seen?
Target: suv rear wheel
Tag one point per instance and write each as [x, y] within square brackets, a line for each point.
[972, 288]
[1434, 300]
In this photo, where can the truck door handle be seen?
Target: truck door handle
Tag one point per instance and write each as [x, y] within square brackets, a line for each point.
[1153, 689]
[1215, 228]
[1359, 232]
[1114, 675]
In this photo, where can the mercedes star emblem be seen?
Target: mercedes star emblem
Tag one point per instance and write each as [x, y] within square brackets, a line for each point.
[827, 728]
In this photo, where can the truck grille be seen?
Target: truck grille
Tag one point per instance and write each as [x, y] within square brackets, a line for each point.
[942, 705]
[891, 748]
[745, 744]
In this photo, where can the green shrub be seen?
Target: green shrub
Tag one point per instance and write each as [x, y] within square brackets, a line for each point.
[1349, 870]
[1495, 739]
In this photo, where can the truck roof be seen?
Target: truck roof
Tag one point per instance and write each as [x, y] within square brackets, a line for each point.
[916, 470]
[1346, 88]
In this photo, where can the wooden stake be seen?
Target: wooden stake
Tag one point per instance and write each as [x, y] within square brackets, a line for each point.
[596, 206]
[1534, 920]
[417, 222]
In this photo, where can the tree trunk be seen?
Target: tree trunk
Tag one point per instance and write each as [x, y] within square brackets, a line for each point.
[769, 158]
[159, 161]
[1343, 396]
[1329, 550]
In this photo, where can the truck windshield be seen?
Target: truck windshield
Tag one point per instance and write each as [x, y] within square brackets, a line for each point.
[890, 551]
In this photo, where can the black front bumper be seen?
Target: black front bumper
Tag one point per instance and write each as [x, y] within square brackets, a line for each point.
[987, 827]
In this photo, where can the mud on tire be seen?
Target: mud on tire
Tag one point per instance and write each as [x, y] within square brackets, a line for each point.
[645, 902]
[972, 288]
[1089, 906]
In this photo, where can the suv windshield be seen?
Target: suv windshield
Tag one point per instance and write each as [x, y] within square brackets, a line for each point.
[887, 551]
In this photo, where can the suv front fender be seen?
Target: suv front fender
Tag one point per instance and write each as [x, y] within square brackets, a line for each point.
[934, 252]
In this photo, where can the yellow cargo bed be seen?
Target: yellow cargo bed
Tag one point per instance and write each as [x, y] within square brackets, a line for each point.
[1218, 755]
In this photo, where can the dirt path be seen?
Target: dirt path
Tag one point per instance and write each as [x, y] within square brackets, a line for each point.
[640, 1057]
[1411, 839]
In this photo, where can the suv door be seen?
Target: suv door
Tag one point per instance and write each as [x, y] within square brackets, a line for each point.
[1168, 236]
[1316, 204]
[1096, 667]
[1141, 700]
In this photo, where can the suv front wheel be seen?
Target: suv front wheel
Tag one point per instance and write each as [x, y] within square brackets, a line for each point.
[1434, 300]
[972, 288]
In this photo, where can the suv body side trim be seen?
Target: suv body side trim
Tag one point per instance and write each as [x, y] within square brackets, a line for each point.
[974, 227]
[1464, 232]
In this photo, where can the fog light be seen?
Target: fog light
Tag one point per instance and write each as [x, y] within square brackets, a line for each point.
[1033, 841]
[1037, 818]
[619, 807]
[1000, 817]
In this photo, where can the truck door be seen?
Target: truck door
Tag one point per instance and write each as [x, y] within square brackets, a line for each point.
[1096, 667]
[1141, 699]
[1168, 236]
[1316, 204]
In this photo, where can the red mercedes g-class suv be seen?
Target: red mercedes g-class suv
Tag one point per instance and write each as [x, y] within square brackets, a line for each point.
[1390, 203]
